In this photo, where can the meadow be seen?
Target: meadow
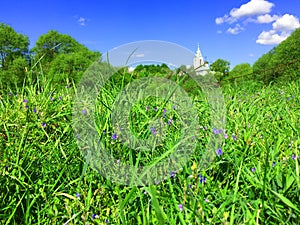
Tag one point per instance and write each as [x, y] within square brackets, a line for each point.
[253, 179]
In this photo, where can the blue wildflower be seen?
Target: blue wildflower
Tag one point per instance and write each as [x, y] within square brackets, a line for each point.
[114, 136]
[172, 174]
[219, 152]
[202, 179]
[180, 206]
[153, 131]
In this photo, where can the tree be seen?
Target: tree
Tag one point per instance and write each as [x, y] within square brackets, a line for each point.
[286, 58]
[222, 66]
[281, 62]
[62, 56]
[240, 70]
[12, 45]
[50, 45]
[13, 52]
[71, 66]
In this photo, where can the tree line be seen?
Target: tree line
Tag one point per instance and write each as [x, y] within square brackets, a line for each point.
[55, 56]
[59, 57]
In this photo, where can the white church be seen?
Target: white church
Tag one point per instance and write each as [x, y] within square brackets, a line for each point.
[200, 66]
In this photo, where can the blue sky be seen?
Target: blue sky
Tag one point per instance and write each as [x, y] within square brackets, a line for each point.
[238, 31]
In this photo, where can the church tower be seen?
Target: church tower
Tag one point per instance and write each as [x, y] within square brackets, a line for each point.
[200, 66]
[198, 59]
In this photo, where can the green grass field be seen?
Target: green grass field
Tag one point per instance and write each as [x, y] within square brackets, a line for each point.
[253, 180]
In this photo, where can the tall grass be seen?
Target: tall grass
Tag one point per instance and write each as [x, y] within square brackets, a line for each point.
[254, 180]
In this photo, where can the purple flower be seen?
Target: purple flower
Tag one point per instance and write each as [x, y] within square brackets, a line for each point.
[60, 97]
[26, 106]
[216, 131]
[25, 100]
[234, 137]
[84, 111]
[106, 221]
[94, 216]
[78, 195]
[114, 136]
[294, 157]
[206, 200]
[153, 131]
[155, 109]
[147, 108]
[170, 121]
[172, 174]
[104, 131]
[225, 136]
[219, 152]
[274, 164]
[253, 169]
[174, 107]
[10, 94]
[34, 110]
[204, 128]
[52, 99]
[202, 179]
[165, 113]
[43, 124]
[180, 206]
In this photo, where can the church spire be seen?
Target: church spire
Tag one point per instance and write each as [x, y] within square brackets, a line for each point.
[198, 52]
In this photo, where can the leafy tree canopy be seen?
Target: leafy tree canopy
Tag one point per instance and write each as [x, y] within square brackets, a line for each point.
[53, 43]
[240, 70]
[220, 65]
[281, 61]
[12, 45]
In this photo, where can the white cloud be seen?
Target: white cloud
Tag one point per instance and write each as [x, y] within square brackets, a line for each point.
[282, 28]
[286, 23]
[259, 11]
[235, 30]
[219, 32]
[251, 55]
[267, 18]
[82, 21]
[271, 37]
[252, 8]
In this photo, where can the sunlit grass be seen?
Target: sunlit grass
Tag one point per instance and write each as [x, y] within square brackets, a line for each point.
[254, 180]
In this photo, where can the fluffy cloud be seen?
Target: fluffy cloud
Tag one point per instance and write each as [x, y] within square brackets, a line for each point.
[252, 8]
[225, 18]
[286, 23]
[271, 37]
[282, 28]
[267, 18]
[258, 11]
[235, 30]
[82, 21]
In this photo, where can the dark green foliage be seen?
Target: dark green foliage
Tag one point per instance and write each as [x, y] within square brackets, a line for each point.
[222, 66]
[282, 62]
[13, 52]
[62, 56]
